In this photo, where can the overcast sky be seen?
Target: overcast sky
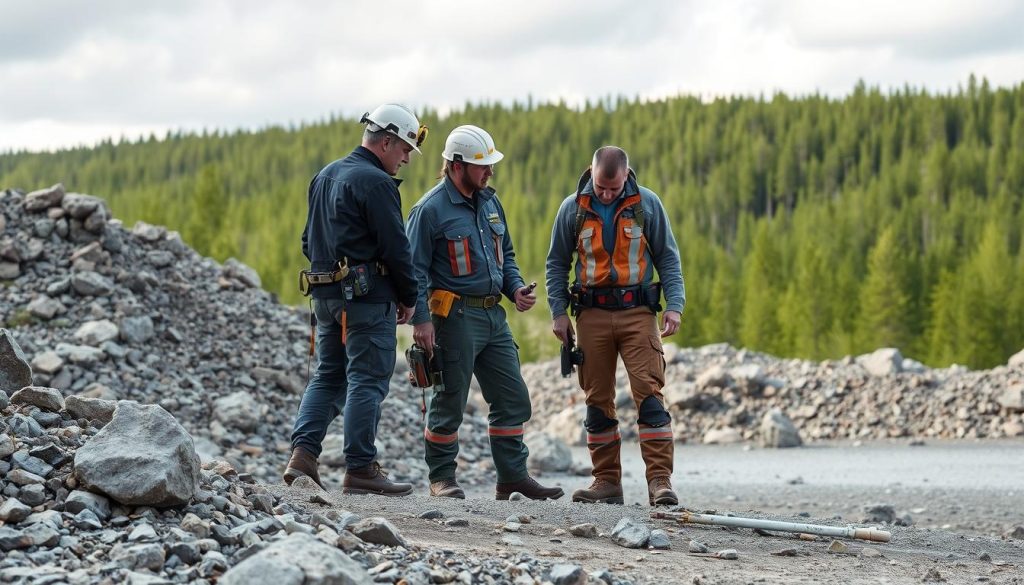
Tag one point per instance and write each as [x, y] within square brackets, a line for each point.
[74, 72]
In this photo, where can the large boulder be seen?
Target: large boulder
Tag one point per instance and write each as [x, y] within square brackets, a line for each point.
[548, 453]
[15, 373]
[142, 457]
[778, 431]
[299, 559]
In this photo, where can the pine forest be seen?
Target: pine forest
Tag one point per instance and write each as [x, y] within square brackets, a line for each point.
[809, 226]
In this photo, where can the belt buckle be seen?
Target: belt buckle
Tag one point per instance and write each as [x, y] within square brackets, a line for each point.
[489, 302]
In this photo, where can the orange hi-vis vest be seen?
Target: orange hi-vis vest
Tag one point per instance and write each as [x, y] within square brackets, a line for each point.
[627, 263]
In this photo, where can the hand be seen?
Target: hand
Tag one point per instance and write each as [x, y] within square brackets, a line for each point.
[404, 314]
[562, 328]
[670, 323]
[525, 299]
[423, 335]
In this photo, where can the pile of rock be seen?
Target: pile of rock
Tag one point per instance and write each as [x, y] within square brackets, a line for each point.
[719, 394]
[95, 491]
[105, 312]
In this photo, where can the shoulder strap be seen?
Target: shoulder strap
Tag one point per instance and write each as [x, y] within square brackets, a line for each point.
[581, 216]
[638, 214]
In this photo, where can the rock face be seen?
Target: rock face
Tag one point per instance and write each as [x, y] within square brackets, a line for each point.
[142, 457]
[300, 559]
[15, 373]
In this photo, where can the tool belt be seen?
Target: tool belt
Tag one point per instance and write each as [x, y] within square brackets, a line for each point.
[482, 302]
[616, 299]
[358, 273]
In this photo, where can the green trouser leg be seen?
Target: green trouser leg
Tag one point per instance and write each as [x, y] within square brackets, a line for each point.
[477, 340]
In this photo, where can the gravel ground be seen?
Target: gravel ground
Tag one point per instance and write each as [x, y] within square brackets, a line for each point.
[837, 480]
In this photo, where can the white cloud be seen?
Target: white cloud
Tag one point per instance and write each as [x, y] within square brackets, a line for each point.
[70, 74]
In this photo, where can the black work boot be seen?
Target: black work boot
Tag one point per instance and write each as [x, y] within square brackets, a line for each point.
[302, 462]
[659, 491]
[600, 492]
[447, 488]
[529, 488]
[372, 480]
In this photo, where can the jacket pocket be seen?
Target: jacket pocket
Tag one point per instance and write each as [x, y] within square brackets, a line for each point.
[459, 255]
[498, 234]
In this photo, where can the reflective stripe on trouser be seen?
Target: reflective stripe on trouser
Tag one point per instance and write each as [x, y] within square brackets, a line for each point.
[657, 449]
[604, 454]
[632, 334]
[350, 378]
[478, 341]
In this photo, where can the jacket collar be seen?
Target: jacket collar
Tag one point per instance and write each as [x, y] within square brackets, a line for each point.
[367, 154]
[485, 194]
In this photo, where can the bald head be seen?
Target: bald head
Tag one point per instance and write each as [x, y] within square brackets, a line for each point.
[610, 161]
[610, 168]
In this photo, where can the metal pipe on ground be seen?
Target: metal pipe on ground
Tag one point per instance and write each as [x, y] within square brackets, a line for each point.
[871, 534]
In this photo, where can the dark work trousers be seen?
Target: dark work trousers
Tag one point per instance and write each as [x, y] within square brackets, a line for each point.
[352, 379]
[478, 341]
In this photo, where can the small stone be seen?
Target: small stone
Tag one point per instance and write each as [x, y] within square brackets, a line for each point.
[13, 511]
[697, 547]
[838, 547]
[659, 540]
[456, 522]
[870, 552]
[567, 574]
[585, 530]
[45, 398]
[377, 531]
[431, 515]
[630, 534]
[729, 554]
[512, 527]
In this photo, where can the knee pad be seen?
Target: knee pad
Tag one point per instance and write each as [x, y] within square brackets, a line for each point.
[597, 421]
[653, 413]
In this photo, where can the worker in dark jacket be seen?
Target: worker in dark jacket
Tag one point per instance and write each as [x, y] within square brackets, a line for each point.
[362, 283]
[463, 255]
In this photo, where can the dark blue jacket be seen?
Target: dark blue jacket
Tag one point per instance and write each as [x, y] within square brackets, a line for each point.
[355, 212]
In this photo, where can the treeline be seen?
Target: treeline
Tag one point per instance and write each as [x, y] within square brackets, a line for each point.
[809, 227]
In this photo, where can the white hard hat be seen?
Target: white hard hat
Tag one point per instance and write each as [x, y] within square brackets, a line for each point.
[398, 120]
[471, 144]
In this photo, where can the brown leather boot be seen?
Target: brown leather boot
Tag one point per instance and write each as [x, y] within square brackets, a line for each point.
[600, 492]
[659, 491]
[529, 488]
[302, 462]
[372, 480]
[447, 488]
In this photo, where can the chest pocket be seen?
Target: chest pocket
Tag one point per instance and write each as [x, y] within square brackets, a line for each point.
[458, 252]
[498, 234]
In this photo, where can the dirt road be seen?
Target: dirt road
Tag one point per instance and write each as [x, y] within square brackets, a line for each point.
[958, 494]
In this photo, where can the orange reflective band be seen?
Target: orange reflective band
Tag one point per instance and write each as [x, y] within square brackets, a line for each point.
[655, 434]
[439, 438]
[513, 431]
[602, 438]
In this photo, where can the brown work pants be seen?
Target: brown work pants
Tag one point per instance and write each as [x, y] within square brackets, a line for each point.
[633, 334]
